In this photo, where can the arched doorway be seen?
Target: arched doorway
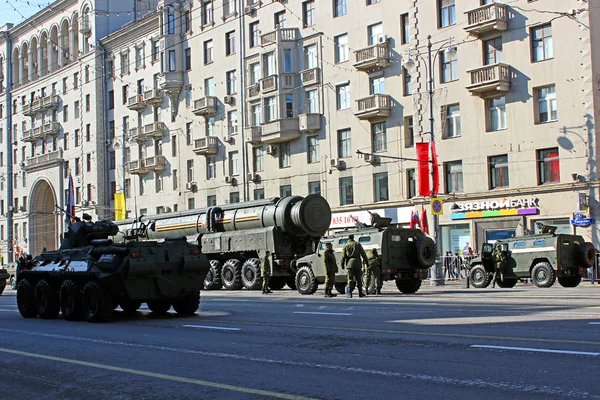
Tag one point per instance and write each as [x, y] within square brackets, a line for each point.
[43, 226]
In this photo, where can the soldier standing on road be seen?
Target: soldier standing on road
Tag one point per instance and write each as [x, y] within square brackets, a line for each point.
[351, 256]
[265, 272]
[331, 268]
[500, 259]
[373, 266]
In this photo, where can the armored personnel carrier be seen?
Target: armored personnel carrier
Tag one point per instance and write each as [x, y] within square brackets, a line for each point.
[89, 276]
[543, 258]
[4, 275]
[406, 255]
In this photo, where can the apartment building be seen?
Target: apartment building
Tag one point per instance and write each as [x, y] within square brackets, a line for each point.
[192, 104]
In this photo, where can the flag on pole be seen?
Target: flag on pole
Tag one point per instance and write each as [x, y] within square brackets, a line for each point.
[424, 224]
[423, 168]
[414, 220]
[70, 205]
[436, 171]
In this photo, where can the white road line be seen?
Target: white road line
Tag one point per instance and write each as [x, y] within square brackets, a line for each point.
[3, 309]
[583, 353]
[320, 313]
[594, 323]
[212, 327]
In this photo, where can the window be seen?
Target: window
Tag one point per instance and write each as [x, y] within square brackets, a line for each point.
[285, 155]
[191, 203]
[454, 177]
[379, 137]
[312, 100]
[370, 2]
[380, 186]
[343, 96]
[409, 133]
[341, 48]
[498, 171]
[270, 109]
[492, 50]
[285, 191]
[314, 187]
[158, 183]
[341, 8]
[88, 103]
[541, 43]
[280, 20]
[344, 143]
[211, 168]
[308, 13]
[232, 122]
[124, 63]
[64, 89]
[76, 80]
[210, 126]
[377, 85]
[289, 106]
[188, 59]
[230, 43]
[259, 194]
[211, 200]
[411, 183]
[190, 170]
[254, 73]
[310, 57]
[254, 34]
[66, 111]
[453, 121]
[188, 133]
[155, 50]
[496, 114]
[404, 29]
[76, 109]
[170, 20]
[447, 13]
[548, 166]
[234, 197]
[77, 166]
[207, 13]
[174, 146]
[186, 21]
[287, 61]
[139, 57]
[127, 188]
[407, 89]
[88, 162]
[209, 86]
[269, 64]
[188, 95]
[111, 129]
[256, 112]
[111, 99]
[546, 104]
[313, 149]
[86, 74]
[449, 66]
[258, 155]
[172, 61]
[231, 79]
[346, 191]
[228, 7]
[208, 52]
[375, 32]
[233, 163]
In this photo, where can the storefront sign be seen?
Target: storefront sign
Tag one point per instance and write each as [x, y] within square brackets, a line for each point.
[496, 208]
[399, 215]
[581, 220]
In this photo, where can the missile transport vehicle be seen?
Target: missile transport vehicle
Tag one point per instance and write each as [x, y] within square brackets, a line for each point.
[89, 276]
[235, 236]
[543, 258]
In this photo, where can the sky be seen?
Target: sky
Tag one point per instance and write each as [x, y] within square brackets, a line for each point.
[25, 7]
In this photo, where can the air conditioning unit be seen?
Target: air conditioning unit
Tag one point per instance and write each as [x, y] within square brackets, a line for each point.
[373, 160]
[22, 208]
[382, 39]
[252, 177]
[22, 164]
[190, 186]
[228, 100]
[228, 179]
[85, 203]
[248, 10]
[167, 209]
[228, 138]
[271, 150]
[334, 162]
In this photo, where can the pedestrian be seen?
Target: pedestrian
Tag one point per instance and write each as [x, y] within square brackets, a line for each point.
[457, 265]
[351, 256]
[265, 272]
[373, 267]
[500, 259]
[447, 260]
[331, 269]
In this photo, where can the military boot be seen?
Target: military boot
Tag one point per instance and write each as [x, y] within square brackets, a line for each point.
[360, 291]
[331, 294]
[327, 293]
[378, 291]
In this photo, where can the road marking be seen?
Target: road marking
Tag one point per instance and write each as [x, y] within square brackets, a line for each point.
[594, 323]
[181, 379]
[3, 309]
[321, 313]
[211, 327]
[583, 353]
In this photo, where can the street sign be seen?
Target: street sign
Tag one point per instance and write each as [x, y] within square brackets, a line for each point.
[437, 206]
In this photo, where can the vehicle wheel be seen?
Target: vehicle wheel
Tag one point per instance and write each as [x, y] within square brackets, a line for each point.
[130, 306]
[306, 283]
[408, 286]
[542, 275]
[587, 254]
[26, 299]
[97, 302]
[341, 287]
[507, 283]
[159, 307]
[70, 301]
[479, 277]
[276, 283]
[46, 300]
[425, 252]
[13, 283]
[2, 286]
[213, 279]
[251, 274]
[232, 275]
[569, 281]
[187, 305]
[291, 282]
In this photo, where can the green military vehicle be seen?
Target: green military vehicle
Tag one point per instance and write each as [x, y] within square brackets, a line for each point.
[3, 277]
[543, 258]
[406, 255]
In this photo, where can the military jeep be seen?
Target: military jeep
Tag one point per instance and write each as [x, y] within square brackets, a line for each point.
[406, 255]
[543, 258]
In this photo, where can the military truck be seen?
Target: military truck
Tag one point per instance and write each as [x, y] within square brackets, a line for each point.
[89, 276]
[543, 258]
[406, 255]
[235, 236]
[3, 278]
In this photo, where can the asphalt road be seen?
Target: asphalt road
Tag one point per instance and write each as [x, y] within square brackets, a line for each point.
[441, 343]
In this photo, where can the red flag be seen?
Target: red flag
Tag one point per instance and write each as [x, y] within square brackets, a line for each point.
[414, 220]
[423, 164]
[424, 224]
[436, 172]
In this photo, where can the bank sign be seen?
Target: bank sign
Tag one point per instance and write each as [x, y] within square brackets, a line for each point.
[496, 208]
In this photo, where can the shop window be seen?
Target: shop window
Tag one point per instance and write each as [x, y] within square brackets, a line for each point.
[548, 166]
[455, 238]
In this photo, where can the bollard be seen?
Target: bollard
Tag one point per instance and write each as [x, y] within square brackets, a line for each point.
[464, 283]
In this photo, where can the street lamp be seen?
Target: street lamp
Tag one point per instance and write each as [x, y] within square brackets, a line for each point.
[437, 275]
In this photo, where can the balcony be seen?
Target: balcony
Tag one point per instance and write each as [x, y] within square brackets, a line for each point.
[287, 81]
[277, 36]
[155, 130]
[136, 134]
[373, 57]
[254, 135]
[205, 107]
[378, 105]
[33, 108]
[206, 146]
[51, 129]
[155, 164]
[253, 91]
[33, 134]
[309, 123]
[490, 81]
[488, 18]
[85, 27]
[44, 161]
[153, 97]
[310, 76]
[49, 103]
[137, 167]
[268, 84]
[136, 103]
[282, 130]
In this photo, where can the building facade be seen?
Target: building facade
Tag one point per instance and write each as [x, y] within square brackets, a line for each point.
[185, 104]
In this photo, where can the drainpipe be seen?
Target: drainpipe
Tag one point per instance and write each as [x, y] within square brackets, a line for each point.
[9, 161]
[105, 149]
[242, 93]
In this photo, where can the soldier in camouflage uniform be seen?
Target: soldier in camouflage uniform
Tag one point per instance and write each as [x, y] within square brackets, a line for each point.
[374, 266]
[331, 268]
[500, 263]
[351, 256]
[265, 272]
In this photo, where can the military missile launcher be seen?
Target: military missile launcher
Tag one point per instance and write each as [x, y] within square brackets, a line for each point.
[235, 236]
[90, 276]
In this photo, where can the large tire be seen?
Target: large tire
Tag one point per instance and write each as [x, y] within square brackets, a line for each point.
[251, 274]
[159, 307]
[97, 302]
[46, 300]
[13, 283]
[306, 283]
[341, 287]
[569, 281]
[2, 286]
[425, 252]
[129, 306]
[507, 283]
[232, 275]
[543, 275]
[587, 254]
[187, 305]
[70, 301]
[276, 283]
[479, 277]
[291, 282]
[213, 280]
[408, 286]
[26, 299]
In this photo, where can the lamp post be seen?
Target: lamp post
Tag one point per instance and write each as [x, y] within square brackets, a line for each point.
[437, 272]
